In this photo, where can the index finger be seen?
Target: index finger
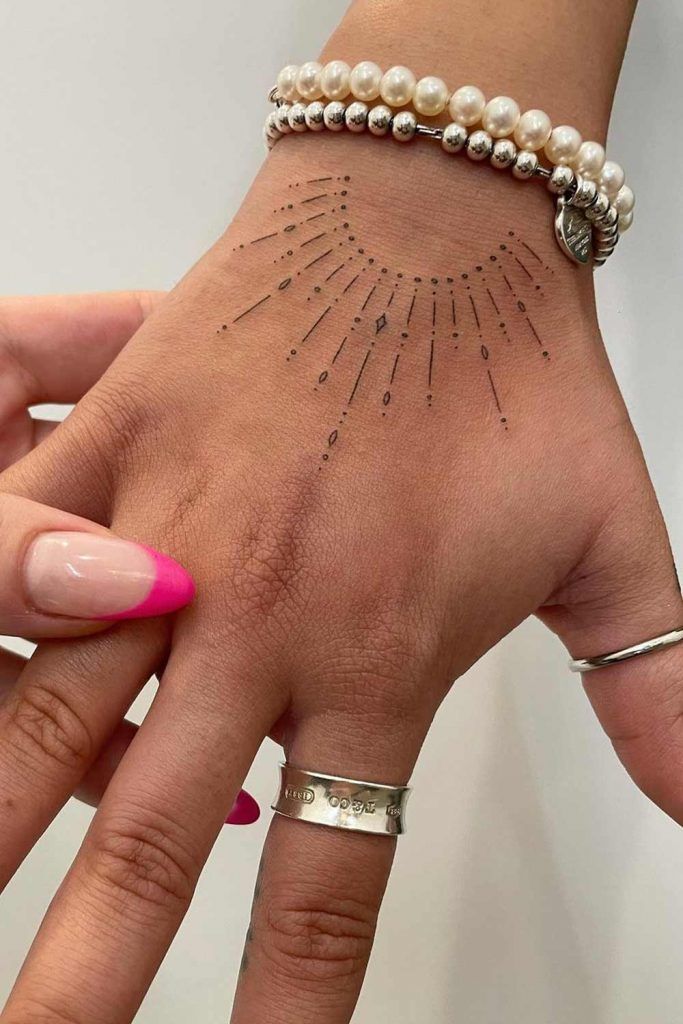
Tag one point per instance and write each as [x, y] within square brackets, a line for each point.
[62, 344]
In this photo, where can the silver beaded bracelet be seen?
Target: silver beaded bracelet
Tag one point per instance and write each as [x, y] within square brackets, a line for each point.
[590, 214]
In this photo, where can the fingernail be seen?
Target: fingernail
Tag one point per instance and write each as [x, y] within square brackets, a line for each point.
[90, 576]
[245, 810]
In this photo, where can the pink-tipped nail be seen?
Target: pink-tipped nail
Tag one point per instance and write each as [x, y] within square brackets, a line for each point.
[93, 576]
[172, 588]
[245, 810]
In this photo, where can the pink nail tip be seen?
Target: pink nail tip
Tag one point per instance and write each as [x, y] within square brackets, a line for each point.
[173, 588]
[245, 810]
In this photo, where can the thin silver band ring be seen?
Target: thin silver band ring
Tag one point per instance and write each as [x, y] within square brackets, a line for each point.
[614, 657]
[341, 803]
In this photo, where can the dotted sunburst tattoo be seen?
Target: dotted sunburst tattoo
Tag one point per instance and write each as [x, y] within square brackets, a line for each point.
[366, 315]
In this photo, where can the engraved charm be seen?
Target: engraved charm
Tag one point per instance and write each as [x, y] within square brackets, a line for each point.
[573, 231]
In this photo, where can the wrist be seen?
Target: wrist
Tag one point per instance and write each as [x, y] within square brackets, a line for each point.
[430, 213]
[542, 53]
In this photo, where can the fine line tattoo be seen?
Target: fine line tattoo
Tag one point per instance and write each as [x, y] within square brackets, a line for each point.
[443, 322]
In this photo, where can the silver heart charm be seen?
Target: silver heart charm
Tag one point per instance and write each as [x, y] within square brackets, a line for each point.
[573, 231]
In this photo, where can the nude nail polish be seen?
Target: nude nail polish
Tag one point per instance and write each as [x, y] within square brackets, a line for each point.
[93, 576]
[245, 810]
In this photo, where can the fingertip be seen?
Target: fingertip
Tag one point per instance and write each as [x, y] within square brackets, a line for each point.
[173, 588]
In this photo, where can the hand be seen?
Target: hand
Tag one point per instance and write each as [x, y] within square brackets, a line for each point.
[60, 575]
[361, 528]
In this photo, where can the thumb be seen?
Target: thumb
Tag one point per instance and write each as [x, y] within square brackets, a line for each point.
[63, 576]
[627, 591]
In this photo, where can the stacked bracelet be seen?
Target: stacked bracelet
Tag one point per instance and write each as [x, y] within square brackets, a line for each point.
[594, 205]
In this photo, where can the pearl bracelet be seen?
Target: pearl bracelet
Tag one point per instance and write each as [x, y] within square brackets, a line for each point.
[594, 205]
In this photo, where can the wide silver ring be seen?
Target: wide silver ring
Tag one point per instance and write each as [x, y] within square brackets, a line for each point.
[341, 803]
[625, 654]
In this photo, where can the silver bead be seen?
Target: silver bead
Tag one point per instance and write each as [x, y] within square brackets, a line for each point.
[315, 116]
[297, 117]
[334, 116]
[272, 129]
[404, 125]
[561, 179]
[605, 236]
[356, 116]
[479, 145]
[379, 119]
[454, 137]
[282, 118]
[504, 153]
[604, 246]
[598, 208]
[611, 218]
[586, 191]
[525, 164]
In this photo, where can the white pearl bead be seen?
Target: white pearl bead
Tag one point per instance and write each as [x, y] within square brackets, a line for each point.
[625, 221]
[500, 117]
[308, 80]
[589, 160]
[286, 82]
[365, 80]
[431, 96]
[625, 199]
[467, 105]
[397, 86]
[533, 130]
[563, 144]
[335, 80]
[611, 178]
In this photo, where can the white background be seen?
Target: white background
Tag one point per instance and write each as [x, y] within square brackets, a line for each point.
[536, 884]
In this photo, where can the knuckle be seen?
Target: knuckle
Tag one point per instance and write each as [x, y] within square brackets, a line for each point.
[145, 862]
[270, 563]
[186, 505]
[315, 937]
[46, 730]
[380, 665]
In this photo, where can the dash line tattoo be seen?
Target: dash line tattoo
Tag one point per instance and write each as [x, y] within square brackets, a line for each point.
[377, 329]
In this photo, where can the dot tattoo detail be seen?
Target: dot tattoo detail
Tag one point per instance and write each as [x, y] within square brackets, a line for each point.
[381, 333]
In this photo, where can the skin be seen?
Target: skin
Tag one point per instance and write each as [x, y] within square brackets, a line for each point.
[338, 599]
[53, 349]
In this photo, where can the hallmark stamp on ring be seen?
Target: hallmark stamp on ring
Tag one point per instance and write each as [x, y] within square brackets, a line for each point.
[304, 796]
